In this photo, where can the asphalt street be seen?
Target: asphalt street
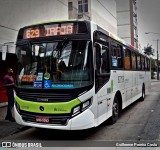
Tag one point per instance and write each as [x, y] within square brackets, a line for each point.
[138, 122]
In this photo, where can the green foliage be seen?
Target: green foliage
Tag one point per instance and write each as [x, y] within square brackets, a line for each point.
[152, 68]
[149, 50]
[152, 74]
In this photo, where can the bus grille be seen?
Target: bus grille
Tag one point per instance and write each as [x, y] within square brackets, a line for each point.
[45, 97]
[53, 119]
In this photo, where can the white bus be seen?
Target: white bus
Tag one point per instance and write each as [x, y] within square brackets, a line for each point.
[74, 75]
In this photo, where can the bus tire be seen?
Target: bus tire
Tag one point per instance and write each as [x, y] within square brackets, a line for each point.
[143, 93]
[115, 111]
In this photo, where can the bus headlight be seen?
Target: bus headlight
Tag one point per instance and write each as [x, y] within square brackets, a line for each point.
[85, 104]
[81, 107]
[76, 110]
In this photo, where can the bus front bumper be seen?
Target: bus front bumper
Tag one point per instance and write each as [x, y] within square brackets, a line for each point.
[84, 120]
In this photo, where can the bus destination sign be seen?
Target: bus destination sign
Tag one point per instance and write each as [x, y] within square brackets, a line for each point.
[54, 29]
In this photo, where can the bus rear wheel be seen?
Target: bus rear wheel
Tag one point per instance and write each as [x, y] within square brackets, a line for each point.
[143, 93]
[115, 110]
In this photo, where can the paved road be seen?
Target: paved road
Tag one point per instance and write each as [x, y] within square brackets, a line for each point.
[140, 121]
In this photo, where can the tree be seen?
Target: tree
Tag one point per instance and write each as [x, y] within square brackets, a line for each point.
[149, 50]
[153, 67]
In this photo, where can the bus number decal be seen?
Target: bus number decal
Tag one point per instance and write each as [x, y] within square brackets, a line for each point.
[120, 79]
[32, 33]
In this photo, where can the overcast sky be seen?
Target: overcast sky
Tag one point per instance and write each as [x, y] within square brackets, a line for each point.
[148, 21]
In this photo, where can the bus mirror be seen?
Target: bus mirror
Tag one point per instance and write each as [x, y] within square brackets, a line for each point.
[97, 73]
[95, 45]
[36, 50]
[4, 52]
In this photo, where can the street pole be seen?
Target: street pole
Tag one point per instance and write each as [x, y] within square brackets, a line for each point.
[157, 62]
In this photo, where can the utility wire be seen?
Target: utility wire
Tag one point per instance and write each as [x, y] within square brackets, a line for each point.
[87, 15]
[107, 9]
[8, 28]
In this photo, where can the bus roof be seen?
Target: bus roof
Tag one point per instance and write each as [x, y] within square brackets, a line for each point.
[51, 21]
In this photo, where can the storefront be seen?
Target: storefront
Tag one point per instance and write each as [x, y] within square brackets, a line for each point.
[10, 62]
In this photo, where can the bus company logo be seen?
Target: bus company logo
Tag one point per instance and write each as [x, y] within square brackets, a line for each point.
[59, 109]
[120, 79]
[42, 99]
[6, 144]
[41, 108]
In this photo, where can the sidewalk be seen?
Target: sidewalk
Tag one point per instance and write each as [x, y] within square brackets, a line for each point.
[6, 127]
[155, 80]
[3, 104]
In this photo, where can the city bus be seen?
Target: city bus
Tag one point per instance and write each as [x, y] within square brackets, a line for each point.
[74, 75]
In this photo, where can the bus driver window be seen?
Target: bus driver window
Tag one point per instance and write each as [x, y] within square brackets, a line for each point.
[105, 60]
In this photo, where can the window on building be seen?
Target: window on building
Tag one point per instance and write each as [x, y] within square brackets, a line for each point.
[70, 6]
[82, 6]
[127, 59]
[134, 2]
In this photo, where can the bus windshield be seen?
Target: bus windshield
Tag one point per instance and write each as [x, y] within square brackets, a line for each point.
[60, 64]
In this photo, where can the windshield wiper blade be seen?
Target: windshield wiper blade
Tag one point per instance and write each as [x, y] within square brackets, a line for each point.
[62, 45]
[23, 42]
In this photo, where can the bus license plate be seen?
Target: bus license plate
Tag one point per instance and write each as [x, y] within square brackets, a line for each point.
[42, 119]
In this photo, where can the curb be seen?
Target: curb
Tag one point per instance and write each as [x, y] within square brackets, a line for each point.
[21, 129]
[3, 104]
[10, 128]
[155, 80]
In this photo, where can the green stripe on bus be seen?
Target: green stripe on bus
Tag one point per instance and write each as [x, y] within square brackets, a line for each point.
[49, 108]
[112, 85]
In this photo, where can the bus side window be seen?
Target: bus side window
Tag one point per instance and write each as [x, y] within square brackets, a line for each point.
[127, 59]
[117, 59]
[105, 60]
[148, 64]
[138, 62]
[134, 62]
[98, 58]
[143, 63]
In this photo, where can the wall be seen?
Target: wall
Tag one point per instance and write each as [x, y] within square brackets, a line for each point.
[123, 19]
[103, 12]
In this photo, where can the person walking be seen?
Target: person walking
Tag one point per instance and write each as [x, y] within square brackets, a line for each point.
[8, 83]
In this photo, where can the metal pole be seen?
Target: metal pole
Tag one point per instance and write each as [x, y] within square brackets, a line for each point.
[157, 63]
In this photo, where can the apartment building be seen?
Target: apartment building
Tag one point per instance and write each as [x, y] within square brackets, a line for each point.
[102, 12]
[127, 21]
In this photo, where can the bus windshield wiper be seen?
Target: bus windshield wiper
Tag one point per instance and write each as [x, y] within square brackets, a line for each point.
[23, 42]
[62, 45]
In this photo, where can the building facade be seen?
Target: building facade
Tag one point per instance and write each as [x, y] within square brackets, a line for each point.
[127, 21]
[102, 12]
